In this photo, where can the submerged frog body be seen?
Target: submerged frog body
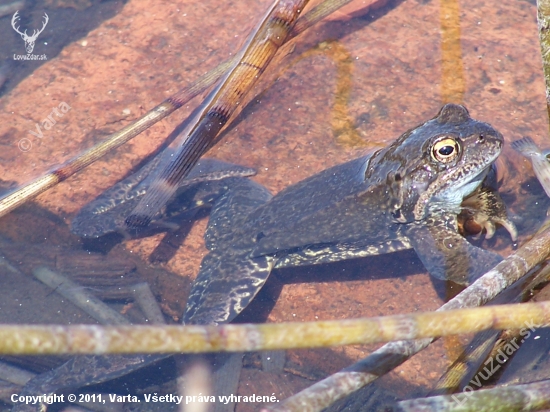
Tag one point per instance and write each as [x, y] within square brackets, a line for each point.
[407, 195]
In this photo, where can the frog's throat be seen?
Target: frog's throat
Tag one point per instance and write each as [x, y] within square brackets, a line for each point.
[467, 185]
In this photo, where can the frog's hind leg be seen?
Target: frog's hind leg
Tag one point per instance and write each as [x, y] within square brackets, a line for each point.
[229, 277]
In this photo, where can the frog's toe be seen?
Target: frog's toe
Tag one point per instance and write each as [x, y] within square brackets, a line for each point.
[489, 225]
[489, 229]
[485, 209]
[510, 227]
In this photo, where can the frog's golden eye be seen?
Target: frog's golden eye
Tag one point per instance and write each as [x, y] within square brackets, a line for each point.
[445, 150]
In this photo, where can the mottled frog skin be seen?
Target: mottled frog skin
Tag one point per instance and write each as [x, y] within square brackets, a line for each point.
[407, 195]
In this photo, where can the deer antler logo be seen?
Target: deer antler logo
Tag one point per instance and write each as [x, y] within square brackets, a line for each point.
[29, 40]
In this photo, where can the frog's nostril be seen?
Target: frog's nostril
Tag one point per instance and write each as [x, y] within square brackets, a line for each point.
[481, 138]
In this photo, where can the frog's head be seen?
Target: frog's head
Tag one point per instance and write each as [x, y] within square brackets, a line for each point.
[434, 166]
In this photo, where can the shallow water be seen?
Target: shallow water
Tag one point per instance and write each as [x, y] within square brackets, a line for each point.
[349, 85]
[67, 21]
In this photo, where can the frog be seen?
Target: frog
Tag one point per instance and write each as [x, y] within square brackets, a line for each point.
[407, 195]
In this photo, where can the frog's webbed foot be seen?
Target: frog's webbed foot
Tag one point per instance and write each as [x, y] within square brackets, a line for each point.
[155, 227]
[446, 254]
[108, 212]
[229, 277]
[484, 209]
[224, 287]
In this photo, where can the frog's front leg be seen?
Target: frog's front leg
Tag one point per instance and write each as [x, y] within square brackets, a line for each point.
[446, 254]
[229, 276]
[483, 210]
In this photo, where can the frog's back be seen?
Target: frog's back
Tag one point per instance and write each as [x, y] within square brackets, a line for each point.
[322, 209]
[312, 194]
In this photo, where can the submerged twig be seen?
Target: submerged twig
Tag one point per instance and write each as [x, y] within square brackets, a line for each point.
[148, 304]
[219, 107]
[78, 296]
[466, 364]
[93, 339]
[484, 345]
[164, 339]
[329, 390]
[530, 397]
[14, 374]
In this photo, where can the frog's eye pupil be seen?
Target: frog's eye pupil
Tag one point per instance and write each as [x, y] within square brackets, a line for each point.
[446, 150]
